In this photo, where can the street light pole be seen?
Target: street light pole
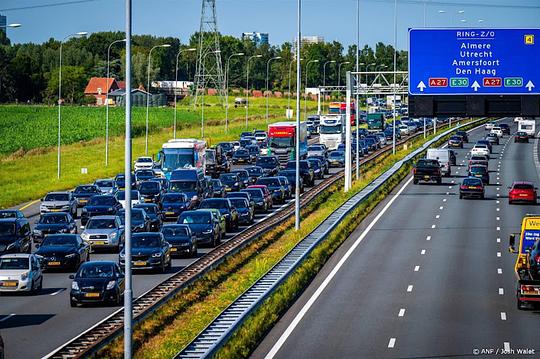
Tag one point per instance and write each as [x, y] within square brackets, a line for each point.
[267, 89]
[107, 102]
[395, 69]
[79, 34]
[148, 93]
[297, 147]
[339, 70]
[305, 87]
[247, 86]
[227, 90]
[357, 99]
[324, 75]
[290, 66]
[176, 84]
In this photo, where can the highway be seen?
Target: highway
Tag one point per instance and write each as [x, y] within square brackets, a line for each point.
[426, 275]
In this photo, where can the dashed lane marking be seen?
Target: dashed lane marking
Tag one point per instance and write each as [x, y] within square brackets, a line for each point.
[433, 226]
[498, 240]
[428, 238]
[392, 343]
[438, 216]
[409, 288]
[503, 316]
[416, 268]
[423, 251]
[499, 271]
[499, 254]
[441, 207]
[401, 312]
[501, 291]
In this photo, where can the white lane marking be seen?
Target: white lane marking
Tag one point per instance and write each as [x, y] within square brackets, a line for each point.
[503, 316]
[423, 251]
[498, 228]
[444, 200]
[499, 271]
[498, 189]
[498, 178]
[498, 182]
[501, 291]
[447, 193]
[506, 346]
[441, 207]
[58, 291]
[498, 195]
[498, 240]
[498, 218]
[428, 238]
[391, 343]
[438, 216]
[433, 226]
[409, 288]
[453, 181]
[499, 254]
[7, 317]
[401, 312]
[498, 202]
[416, 268]
[498, 209]
[277, 346]
[450, 187]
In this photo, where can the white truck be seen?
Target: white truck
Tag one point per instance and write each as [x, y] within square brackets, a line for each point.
[443, 156]
[528, 126]
[332, 131]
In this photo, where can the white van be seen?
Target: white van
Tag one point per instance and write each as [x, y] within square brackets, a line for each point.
[443, 156]
[527, 126]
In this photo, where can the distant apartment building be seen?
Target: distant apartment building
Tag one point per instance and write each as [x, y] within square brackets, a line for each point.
[312, 40]
[3, 23]
[259, 38]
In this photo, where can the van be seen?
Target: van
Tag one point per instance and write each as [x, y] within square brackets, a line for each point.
[191, 182]
[443, 156]
[527, 126]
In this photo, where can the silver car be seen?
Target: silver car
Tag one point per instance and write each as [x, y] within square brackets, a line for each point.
[20, 273]
[106, 186]
[316, 150]
[59, 202]
[104, 232]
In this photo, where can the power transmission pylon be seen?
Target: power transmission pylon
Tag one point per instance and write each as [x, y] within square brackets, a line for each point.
[209, 67]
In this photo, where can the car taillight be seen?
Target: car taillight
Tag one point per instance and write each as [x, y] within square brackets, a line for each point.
[537, 258]
[414, 170]
[463, 187]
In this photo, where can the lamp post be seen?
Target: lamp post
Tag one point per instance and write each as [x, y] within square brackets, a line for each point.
[202, 102]
[78, 34]
[227, 90]
[395, 69]
[247, 86]
[148, 93]
[191, 49]
[305, 88]
[267, 89]
[290, 66]
[357, 99]
[324, 75]
[339, 70]
[13, 26]
[297, 140]
[107, 101]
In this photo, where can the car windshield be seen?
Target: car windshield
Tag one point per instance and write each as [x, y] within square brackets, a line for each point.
[53, 219]
[102, 201]
[105, 183]
[336, 129]
[481, 146]
[478, 170]
[147, 173]
[253, 149]
[255, 192]
[14, 263]
[455, 138]
[196, 218]
[239, 202]
[8, 214]
[146, 240]
[213, 204]
[57, 197]
[472, 182]
[121, 195]
[84, 189]
[523, 186]
[241, 152]
[136, 214]
[7, 229]
[425, 163]
[149, 209]
[175, 231]
[268, 181]
[281, 142]
[144, 160]
[228, 177]
[147, 187]
[181, 186]
[96, 270]
[70, 241]
[101, 223]
[173, 198]
[336, 154]
[210, 156]
[266, 161]
[216, 183]
[241, 174]
[226, 146]
[314, 148]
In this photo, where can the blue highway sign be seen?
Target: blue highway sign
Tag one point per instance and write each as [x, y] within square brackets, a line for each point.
[474, 61]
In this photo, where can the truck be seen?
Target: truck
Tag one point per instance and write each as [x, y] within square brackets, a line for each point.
[528, 126]
[527, 265]
[375, 122]
[282, 140]
[340, 108]
[182, 153]
[332, 131]
[427, 170]
[216, 162]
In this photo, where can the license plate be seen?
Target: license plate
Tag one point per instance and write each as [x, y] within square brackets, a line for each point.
[174, 249]
[91, 295]
[147, 200]
[473, 187]
[99, 242]
[83, 200]
[426, 177]
[9, 283]
[53, 263]
[478, 176]
[55, 210]
[227, 189]
[169, 213]
[139, 264]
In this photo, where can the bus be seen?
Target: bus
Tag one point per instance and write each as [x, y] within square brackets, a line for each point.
[182, 153]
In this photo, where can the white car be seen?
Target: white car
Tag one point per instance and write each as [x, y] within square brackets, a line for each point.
[404, 129]
[480, 150]
[489, 126]
[20, 272]
[144, 163]
[135, 198]
[497, 130]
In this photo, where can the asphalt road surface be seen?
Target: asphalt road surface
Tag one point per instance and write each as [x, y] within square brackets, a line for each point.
[426, 275]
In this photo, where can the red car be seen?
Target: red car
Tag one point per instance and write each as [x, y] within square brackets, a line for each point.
[522, 192]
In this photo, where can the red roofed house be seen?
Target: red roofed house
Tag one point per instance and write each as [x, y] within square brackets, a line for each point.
[99, 87]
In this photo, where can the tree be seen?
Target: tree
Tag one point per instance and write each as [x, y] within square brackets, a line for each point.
[73, 83]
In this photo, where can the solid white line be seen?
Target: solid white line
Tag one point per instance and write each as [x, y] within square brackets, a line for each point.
[7, 317]
[428, 238]
[503, 316]
[58, 291]
[277, 346]
[392, 342]
[507, 346]
[416, 268]
[423, 251]
[401, 312]
[409, 288]
[501, 291]
[499, 271]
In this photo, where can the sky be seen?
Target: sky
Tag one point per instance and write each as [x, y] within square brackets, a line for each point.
[331, 19]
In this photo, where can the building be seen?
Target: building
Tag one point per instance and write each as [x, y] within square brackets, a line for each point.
[3, 23]
[259, 38]
[306, 40]
[138, 98]
[99, 87]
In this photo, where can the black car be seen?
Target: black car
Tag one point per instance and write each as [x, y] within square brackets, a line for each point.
[244, 195]
[318, 168]
[241, 155]
[231, 181]
[243, 175]
[254, 173]
[15, 236]
[464, 136]
[306, 171]
[218, 188]
[455, 141]
[505, 128]
[140, 221]
[149, 250]
[227, 148]
[278, 191]
[172, 204]
[287, 185]
[324, 162]
[257, 195]
[203, 225]
[246, 211]
[150, 191]
[102, 205]
[291, 176]
[182, 241]
[254, 152]
[97, 282]
[226, 209]
[144, 175]
[479, 172]
[153, 212]
[521, 137]
[63, 251]
[53, 223]
[120, 181]
[472, 187]
[269, 164]
[84, 192]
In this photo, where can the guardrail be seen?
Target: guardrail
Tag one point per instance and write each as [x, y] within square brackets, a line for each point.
[215, 335]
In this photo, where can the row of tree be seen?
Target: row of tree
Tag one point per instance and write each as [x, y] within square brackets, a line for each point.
[29, 72]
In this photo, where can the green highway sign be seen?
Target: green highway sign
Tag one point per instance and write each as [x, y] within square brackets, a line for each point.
[513, 81]
[459, 82]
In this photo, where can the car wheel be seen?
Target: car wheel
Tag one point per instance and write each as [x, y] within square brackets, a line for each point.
[194, 251]
[482, 196]
[169, 265]
[439, 181]
[72, 303]
[415, 181]
[460, 196]
[520, 305]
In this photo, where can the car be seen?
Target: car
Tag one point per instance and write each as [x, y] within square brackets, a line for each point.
[120, 181]
[246, 211]
[482, 150]
[505, 128]
[236, 145]
[317, 150]
[318, 168]
[478, 160]
[522, 191]
[287, 185]
[266, 192]
[269, 164]
[140, 221]
[150, 191]
[135, 197]
[336, 159]
[260, 135]
[291, 177]
[324, 162]
[489, 126]
[479, 172]
[97, 282]
[226, 209]
[247, 141]
[455, 141]
[154, 214]
[20, 272]
[497, 131]
[143, 163]
[203, 225]
[11, 213]
[218, 217]
[246, 134]
[182, 241]
[306, 171]
[83, 193]
[149, 250]
[254, 152]
[104, 232]
[218, 188]
[277, 190]
[231, 181]
[427, 170]
[241, 155]
[106, 186]
[464, 135]
[254, 173]
[227, 148]
[15, 236]
[262, 202]
[243, 176]
[58, 202]
[244, 195]
[52, 223]
[492, 138]
[521, 136]
[472, 187]
[487, 143]
[173, 204]
[63, 251]
[144, 175]
[101, 205]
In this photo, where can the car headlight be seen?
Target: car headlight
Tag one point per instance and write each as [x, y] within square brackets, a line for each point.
[113, 235]
[24, 276]
[194, 198]
[72, 255]
[207, 232]
[122, 255]
[64, 230]
[84, 236]
[74, 285]
[110, 209]
[235, 184]
[156, 255]
[37, 231]
[111, 284]
[11, 246]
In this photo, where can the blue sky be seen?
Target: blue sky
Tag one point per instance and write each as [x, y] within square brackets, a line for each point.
[332, 19]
